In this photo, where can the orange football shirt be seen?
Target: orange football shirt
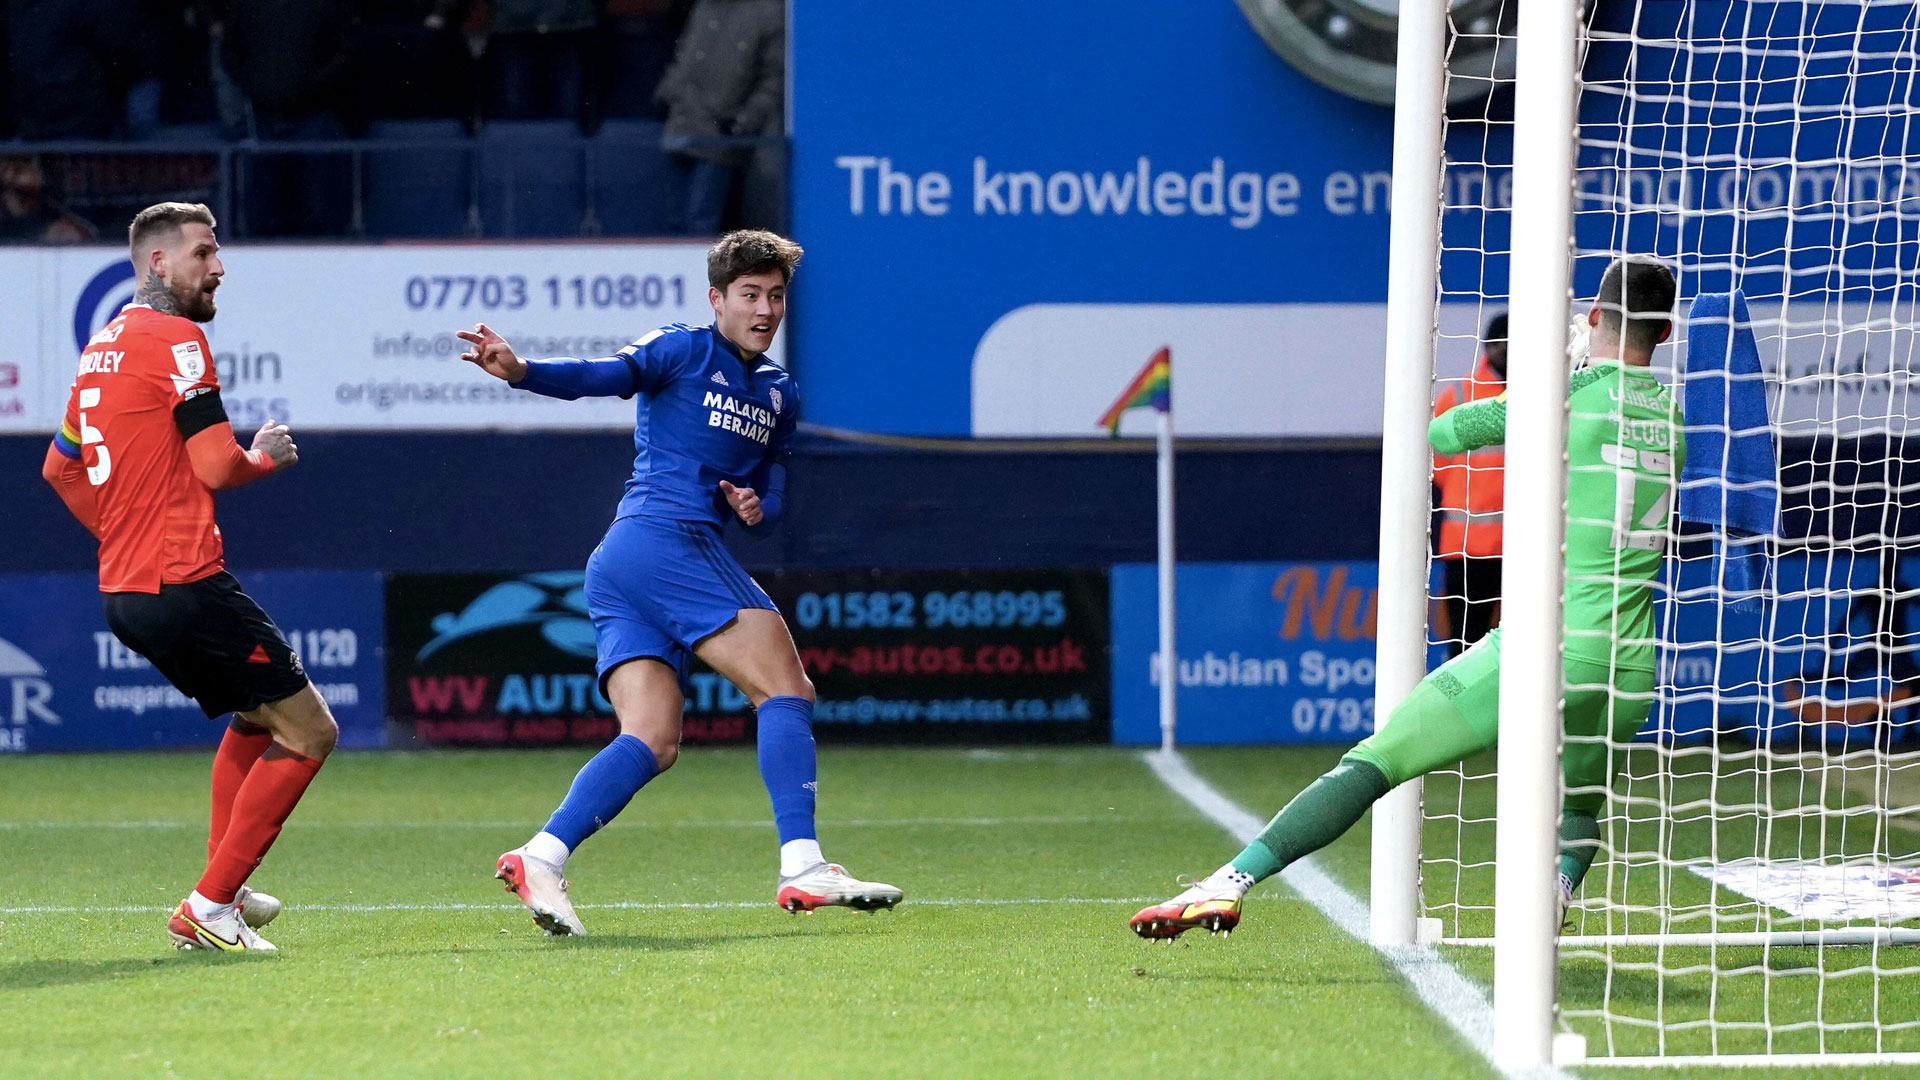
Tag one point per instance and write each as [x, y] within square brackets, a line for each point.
[156, 517]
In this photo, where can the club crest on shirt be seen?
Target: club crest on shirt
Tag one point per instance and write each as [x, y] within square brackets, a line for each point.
[189, 359]
[773, 398]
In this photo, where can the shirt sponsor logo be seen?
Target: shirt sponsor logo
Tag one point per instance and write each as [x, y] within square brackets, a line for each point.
[189, 359]
[741, 418]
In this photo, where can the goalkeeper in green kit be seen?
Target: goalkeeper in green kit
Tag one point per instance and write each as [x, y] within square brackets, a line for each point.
[1624, 453]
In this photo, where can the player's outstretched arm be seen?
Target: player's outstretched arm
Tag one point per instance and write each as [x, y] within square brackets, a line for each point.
[559, 377]
[1470, 426]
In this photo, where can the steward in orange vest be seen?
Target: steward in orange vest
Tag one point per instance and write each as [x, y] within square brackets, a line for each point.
[1471, 500]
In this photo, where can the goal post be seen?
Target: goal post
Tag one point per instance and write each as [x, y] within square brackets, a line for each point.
[1528, 795]
[1755, 898]
[1405, 503]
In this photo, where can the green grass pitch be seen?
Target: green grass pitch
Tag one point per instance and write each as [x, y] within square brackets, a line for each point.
[402, 958]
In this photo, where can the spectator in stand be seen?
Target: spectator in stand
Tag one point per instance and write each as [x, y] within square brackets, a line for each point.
[27, 214]
[1472, 500]
[726, 87]
[72, 63]
[537, 57]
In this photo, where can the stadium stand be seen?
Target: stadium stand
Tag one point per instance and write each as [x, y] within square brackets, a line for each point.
[427, 138]
[418, 180]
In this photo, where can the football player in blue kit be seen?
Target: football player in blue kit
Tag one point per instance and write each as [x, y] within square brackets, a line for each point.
[715, 423]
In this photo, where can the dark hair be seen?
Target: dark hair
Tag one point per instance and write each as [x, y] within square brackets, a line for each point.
[1496, 329]
[163, 218]
[750, 251]
[1647, 309]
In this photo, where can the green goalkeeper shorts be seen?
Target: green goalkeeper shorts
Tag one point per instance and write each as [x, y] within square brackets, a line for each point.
[1455, 713]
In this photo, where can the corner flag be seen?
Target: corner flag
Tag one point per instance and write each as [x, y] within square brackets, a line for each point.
[1153, 386]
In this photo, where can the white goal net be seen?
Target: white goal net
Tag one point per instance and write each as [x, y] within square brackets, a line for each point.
[1757, 884]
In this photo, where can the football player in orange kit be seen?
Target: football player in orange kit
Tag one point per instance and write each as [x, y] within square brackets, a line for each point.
[144, 446]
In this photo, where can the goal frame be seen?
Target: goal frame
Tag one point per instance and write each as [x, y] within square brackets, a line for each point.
[1528, 791]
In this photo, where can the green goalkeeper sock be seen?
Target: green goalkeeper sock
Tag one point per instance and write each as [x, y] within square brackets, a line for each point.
[1579, 843]
[1315, 818]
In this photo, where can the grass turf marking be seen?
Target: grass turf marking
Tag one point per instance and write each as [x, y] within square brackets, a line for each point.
[616, 905]
[1451, 995]
[744, 823]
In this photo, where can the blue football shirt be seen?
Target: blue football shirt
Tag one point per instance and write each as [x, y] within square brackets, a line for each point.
[705, 414]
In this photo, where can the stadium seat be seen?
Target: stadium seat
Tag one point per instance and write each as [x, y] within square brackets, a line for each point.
[294, 185]
[532, 179]
[416, 182]
[637, 190]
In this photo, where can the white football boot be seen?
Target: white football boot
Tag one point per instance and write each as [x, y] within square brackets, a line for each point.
[540, 886]
[228, 933]
[257, 909]
[827, 884]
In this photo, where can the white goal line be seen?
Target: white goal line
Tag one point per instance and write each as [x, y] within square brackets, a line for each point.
[1839, 935]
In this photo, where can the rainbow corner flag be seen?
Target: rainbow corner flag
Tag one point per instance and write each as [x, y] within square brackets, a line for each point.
[1153, 386]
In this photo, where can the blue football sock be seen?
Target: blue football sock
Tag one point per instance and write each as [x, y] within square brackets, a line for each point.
[787, 764]
[602, 789]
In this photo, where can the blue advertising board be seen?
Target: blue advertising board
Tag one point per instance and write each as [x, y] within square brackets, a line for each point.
[1276, 652]
[66, 683]
[1009, 206]
[1825, 663]
[953, 163]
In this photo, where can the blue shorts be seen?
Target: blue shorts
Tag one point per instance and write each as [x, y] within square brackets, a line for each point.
[657, 588]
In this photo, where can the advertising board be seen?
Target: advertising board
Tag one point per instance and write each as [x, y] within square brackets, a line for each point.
[506, 660]
[66, 683]
[361, 337]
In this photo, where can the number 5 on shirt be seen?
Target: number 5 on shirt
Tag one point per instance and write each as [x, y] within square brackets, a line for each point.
[90, 436]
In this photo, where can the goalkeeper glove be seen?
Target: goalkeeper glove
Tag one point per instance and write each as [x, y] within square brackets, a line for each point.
[1578, 344]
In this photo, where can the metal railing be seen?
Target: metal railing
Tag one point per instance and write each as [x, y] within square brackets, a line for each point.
[230, 185]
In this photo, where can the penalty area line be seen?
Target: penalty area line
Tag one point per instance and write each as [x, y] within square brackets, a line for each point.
[1450, 995]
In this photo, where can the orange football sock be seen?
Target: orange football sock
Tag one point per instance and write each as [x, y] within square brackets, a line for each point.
[266, 797]
[239, 749]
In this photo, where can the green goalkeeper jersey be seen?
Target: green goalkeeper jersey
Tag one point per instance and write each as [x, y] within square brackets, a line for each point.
[1624, 454]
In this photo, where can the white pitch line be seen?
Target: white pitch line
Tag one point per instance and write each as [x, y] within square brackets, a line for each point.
[747, 823]
[1451, 995]
[618, 905]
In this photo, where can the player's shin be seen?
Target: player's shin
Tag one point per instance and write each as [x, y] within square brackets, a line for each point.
[602, 788]
[1313, 819]
[1579, 843]
[788, 766]
[272, 788]
[240, 747]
